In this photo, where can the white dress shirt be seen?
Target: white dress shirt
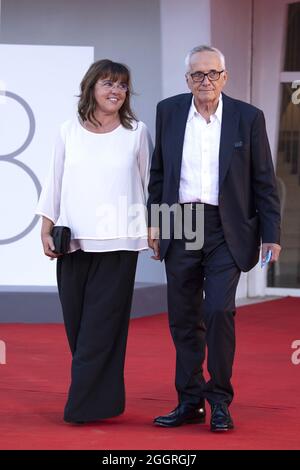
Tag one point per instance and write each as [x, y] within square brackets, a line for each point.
[97, 186]
[199, 178]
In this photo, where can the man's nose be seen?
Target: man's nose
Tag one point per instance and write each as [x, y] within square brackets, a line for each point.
[206, 80]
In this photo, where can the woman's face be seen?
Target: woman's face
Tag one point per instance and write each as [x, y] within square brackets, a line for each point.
[110, 95]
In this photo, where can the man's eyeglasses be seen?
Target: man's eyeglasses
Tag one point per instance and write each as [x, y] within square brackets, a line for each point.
[109, 85]
[212, 75]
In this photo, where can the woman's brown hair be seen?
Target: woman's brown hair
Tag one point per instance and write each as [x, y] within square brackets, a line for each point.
[100, 70]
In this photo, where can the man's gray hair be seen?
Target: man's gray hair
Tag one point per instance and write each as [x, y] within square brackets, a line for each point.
[203, 49]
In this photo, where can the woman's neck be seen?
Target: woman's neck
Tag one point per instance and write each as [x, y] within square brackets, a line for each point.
[108, 122]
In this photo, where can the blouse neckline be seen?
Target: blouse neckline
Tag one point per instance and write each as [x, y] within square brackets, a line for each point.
[97, 133]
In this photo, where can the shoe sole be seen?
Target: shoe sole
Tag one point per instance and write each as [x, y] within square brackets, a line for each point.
[190, 421]
[76, 423]
[222, 430]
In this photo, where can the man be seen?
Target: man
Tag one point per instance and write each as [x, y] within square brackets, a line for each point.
[210, 149]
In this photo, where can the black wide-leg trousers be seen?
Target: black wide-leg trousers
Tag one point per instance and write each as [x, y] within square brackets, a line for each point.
[95, 291]
[196, 319]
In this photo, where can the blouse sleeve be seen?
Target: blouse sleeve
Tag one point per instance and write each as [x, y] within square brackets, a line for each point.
[144, 156]
[49, 202]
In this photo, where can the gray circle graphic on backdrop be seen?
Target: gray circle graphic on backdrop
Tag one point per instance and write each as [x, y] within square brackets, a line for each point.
[9, 158]
[30, 115]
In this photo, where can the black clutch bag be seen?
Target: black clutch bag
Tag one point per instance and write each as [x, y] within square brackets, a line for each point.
[61, 239]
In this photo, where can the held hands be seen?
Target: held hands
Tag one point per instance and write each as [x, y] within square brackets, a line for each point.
[153, 241]
[274, 250]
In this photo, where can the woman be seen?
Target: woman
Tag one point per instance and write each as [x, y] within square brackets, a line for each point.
[97, 186]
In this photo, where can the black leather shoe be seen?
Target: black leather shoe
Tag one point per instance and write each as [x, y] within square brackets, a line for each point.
[183, 414]
[220, 418]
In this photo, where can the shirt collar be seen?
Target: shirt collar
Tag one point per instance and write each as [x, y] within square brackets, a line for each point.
[218, 113]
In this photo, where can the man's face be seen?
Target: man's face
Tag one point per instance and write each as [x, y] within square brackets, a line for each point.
[207, 90]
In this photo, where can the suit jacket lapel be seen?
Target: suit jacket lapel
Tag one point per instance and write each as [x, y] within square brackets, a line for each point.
[178, 128]
[229, 130]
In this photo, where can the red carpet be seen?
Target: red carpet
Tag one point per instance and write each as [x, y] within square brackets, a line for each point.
[34, 381]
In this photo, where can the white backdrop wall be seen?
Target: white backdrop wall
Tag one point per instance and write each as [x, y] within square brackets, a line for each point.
[151, 37]
[269, 37]
[232, 34]
[251, 34]
[184, 25]
[47, 79]
[126, 31]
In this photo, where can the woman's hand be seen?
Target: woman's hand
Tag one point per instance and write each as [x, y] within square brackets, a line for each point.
[48, 246]
[47, 240]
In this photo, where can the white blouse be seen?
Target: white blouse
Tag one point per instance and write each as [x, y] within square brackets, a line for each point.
[97, 186]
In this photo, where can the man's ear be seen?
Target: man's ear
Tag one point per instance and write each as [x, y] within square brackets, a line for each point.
[225, 77]
[186, 78]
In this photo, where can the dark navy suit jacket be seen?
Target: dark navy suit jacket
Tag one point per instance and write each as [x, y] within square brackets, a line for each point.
[248, 201]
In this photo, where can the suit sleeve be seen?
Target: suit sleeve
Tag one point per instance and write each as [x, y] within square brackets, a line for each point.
[145, 150]
[264, 183]
[155, 187]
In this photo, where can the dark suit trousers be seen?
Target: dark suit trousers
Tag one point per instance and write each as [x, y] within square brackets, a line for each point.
[95, 291]
[196, 321]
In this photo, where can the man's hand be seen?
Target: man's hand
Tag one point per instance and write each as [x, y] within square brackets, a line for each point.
[153, 241]
[274, 248]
